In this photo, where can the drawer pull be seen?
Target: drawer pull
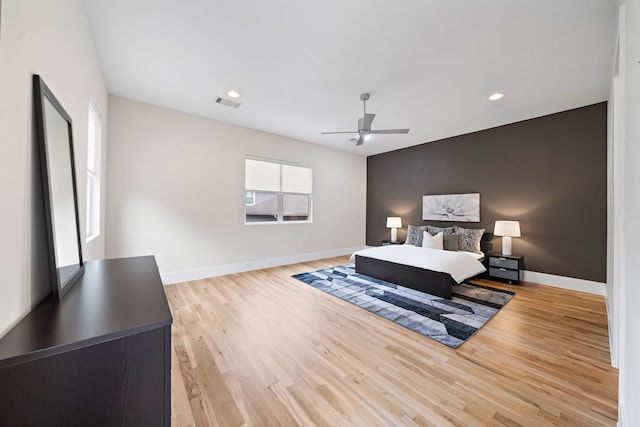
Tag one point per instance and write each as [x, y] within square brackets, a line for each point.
[503, 269]
[502, 259]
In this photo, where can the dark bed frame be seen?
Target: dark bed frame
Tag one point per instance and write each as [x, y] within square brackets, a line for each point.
[420, 279]
[423, 280]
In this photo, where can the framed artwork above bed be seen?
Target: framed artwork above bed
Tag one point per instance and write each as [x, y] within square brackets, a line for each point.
[451, 207]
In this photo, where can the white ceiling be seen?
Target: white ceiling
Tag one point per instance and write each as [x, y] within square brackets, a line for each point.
[300, 66]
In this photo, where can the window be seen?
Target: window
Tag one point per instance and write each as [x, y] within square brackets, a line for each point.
[93, 174]
[250, 198]
[277, 192]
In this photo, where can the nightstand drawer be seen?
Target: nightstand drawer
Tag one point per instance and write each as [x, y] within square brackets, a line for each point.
[504, 273]
[497, 261]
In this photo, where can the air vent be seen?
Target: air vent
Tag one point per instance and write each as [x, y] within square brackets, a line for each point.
[227, 102]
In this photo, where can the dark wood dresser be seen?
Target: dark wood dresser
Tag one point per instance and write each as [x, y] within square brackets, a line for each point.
[100, 357]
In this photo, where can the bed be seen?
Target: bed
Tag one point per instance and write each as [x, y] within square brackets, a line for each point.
[428, 270]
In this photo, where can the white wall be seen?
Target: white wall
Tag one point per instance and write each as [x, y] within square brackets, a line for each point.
[629, 395]
[176, 190]
[50, 38]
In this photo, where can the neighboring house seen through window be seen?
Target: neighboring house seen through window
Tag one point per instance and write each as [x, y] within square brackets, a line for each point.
[277, 192]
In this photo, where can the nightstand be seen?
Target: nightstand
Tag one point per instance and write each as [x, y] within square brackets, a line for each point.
[389, 242]
[506, 267]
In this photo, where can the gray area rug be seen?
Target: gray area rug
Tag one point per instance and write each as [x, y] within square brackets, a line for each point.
[450, 322]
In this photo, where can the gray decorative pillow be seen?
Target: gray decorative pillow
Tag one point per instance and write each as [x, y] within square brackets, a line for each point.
[469, 239]
[450, 242]
[414, 235]
[445, 230]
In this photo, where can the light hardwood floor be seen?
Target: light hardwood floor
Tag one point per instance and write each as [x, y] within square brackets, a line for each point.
[263, 349]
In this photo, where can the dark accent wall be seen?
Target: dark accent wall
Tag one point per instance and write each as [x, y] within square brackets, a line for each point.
[549, 173]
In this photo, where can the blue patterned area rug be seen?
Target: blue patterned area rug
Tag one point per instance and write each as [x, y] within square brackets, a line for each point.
[450, 322]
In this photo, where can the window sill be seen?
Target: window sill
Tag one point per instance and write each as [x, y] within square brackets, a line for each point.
[278, 222]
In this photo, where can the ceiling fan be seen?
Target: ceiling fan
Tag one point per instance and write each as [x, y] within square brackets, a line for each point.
[364, 125]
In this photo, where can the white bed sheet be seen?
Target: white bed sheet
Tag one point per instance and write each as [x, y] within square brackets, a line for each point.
[460, 265]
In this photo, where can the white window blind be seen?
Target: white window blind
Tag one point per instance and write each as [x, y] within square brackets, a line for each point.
[262, 176]
[296, 179]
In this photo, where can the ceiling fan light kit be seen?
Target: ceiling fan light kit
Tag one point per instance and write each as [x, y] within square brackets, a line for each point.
[364, 125]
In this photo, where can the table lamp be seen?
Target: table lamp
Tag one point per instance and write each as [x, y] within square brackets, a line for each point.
[394, 222]
[507, 230]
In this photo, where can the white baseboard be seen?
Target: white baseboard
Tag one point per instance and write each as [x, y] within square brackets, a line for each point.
[571, 283]
[221, 270]
[622, 413]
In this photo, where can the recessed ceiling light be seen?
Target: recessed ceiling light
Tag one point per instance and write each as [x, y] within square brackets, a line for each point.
[232, 93]
[496, 96]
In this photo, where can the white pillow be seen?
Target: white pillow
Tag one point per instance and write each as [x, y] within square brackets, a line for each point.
[433, 242]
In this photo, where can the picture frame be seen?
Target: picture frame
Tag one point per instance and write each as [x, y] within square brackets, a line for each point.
[451, 207]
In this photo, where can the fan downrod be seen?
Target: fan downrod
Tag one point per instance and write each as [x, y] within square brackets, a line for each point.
[364, 98]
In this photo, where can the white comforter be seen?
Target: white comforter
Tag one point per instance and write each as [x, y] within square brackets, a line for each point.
[460, 265]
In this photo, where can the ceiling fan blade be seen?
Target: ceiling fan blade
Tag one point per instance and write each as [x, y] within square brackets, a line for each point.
[390, 131]
[364, 123]
[360, 140]
[347, 131]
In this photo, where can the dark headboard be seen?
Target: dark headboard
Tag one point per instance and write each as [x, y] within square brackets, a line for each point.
[486, 243]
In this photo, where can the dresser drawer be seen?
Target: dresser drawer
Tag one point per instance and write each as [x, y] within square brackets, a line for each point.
[503, 273]
[496, 261]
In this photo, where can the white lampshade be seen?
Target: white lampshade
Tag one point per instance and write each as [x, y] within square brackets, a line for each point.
[394, 222]
[507, 228]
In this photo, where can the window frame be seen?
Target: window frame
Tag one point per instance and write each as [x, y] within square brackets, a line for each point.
[94, 163]
[279, 194]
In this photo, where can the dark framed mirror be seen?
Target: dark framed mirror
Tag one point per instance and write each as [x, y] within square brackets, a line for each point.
[57, 165]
